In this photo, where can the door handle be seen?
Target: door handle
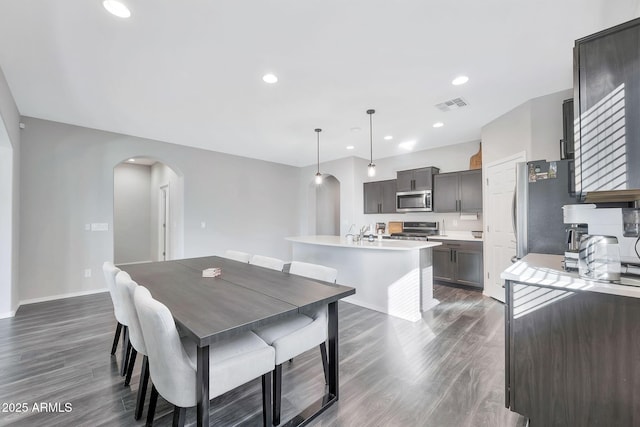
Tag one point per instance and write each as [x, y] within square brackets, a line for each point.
[514, 207]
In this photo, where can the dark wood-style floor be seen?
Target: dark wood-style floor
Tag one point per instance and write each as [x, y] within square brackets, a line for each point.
[446, 370]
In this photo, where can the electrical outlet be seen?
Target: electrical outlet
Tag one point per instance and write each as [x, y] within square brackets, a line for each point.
[87, 272]
[203, 224]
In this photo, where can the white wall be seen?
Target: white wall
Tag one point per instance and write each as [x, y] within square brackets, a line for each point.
[6, 229]
[507, 135]
[132, 213]
[620, 11]
[352, 174]
[9, 200]
[546, 125]
[67, 182]
[343, 171]
[328, 206]
[534, 127]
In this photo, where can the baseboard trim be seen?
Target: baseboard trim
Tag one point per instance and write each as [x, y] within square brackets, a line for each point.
[8, 314]
[61, 296]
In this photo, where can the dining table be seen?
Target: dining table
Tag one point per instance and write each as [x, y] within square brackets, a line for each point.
[243, 297]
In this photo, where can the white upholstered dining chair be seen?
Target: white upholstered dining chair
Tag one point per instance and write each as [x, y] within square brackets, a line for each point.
[233, 362]
[237, 256]
[110, 271]
[126, 287]
[295, 335]
[267, 262]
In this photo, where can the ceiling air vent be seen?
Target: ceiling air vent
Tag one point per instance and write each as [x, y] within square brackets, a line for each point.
[452, 104]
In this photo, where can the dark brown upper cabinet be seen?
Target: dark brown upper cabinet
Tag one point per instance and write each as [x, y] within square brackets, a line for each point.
[606, 109]
[416, 179]
[458, 191]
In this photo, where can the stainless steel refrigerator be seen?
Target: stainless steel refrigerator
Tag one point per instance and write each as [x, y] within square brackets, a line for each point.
[542, 188]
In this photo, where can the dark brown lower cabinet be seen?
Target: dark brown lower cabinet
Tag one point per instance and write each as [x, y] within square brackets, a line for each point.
[572, 358]
[459, 262]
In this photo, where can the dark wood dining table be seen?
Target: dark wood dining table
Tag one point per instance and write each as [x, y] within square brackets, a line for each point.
[244, 297]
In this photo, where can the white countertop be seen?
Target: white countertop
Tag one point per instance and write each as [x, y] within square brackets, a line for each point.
[545, 270]
[384, 244]
[457, 235]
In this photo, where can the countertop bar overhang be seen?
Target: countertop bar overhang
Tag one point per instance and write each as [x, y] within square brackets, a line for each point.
[391, 276]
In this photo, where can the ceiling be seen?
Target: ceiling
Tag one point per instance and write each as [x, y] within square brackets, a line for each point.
[190, 72]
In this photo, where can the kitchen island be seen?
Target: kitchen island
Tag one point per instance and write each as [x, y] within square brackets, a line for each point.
[390, 276]
[571, 353]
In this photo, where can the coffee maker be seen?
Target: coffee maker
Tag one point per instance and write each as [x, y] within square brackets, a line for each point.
[624, 224]
[573, 234]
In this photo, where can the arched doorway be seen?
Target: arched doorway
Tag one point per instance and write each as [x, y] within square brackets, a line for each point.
[328, 206]
[147, 211]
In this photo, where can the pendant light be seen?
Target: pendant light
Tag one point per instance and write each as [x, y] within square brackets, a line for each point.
[318, 174]
[371, 170]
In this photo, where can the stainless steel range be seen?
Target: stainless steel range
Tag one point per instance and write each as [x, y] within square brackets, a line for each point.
[416, 231]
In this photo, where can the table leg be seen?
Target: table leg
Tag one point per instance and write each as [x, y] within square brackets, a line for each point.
[333, 348]
[202, 386]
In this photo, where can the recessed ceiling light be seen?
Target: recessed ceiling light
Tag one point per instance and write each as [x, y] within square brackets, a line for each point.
[356, 129]
[388, 137]
[117, 8]
[131, 160]
[350, 147]
[438, 125]
[270, 78]
[460, 80]
[408, 145]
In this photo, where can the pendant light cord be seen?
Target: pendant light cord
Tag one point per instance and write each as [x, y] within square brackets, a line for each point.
[318, 133]
[370, 112]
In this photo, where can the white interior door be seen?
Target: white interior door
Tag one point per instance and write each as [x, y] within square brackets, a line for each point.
[163, 223]
[500, 238]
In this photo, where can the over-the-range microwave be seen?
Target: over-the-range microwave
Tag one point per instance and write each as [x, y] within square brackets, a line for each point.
[413, 201]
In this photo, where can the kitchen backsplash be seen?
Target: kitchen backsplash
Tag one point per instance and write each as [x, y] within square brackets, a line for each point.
[452, 221]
